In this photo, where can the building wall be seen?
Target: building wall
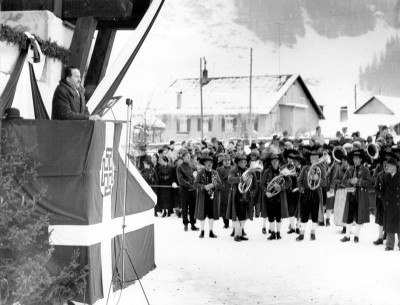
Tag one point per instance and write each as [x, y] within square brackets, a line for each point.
[374, 106]
[45, 25]
[293, 119]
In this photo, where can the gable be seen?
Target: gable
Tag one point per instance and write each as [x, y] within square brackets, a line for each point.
[374, 106]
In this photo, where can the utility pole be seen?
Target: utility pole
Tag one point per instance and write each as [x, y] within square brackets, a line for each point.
[250, 116]
[201, 100]
[355, 97]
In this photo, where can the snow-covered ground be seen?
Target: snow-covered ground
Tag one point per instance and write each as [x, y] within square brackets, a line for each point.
[220, 271]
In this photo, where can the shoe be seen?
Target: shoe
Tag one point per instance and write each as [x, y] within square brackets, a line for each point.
[378, 242]
[328, 222]
[212, 235]
[321, 224]
[312, 237]
[164, 214]
[264, 231]
[297, 231]
[226, 226]
[278, 235]
[356, 240]
[345, 239]
[243, 238]
[194, 228]
[155, 214]
[179, 214]
[388, 249]
[291, 231]
[272, 236]
[300, 237]
[201, 234]
[269, 231]
[344, 230]
[237, 238]
[233, 233]
[185, 228]
[243, 233]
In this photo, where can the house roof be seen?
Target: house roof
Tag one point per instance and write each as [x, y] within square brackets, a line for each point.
[391, 103]
[230, 95]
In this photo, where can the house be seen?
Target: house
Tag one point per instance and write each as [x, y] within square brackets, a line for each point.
[281, 102]
[380, 110]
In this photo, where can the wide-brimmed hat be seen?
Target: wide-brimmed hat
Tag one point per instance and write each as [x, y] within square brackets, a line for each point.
[393, 161]
[241, 156]
[288, 152]
[358, 153]
[12, 113]
[255, 152]
[274, 157]
[205, 157]
[298, 157]
[225, 157]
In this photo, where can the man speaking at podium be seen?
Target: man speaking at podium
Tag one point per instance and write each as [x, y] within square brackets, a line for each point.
[69, 99]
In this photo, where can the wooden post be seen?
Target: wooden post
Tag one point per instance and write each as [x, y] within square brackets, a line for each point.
[250, 129]
[201, 101]
[99, 60]
[82, 42]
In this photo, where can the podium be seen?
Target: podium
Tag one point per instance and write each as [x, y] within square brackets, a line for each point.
[83, 170]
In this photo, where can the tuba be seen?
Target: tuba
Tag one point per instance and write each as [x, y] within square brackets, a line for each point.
[280, 180]
[247, 177]
[373, 150]
[313, 183]
[338, 152]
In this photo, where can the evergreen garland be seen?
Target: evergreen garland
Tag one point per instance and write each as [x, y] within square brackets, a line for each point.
[48, 47]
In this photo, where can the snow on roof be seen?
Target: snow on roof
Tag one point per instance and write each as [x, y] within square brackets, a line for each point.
[392, 103]
[229, 94]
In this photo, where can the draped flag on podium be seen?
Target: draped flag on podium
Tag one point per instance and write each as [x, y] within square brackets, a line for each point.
[83, 170]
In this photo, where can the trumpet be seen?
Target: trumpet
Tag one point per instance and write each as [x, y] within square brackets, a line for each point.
[280, 180]
[313, 183]
[214, 181]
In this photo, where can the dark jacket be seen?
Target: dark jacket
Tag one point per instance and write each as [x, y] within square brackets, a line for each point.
[364, 182]
[391, 202]
[68, 104]
[199, 184]
[223, 175]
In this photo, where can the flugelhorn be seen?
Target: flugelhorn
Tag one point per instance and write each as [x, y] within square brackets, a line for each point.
[313, 183]
[280, 180]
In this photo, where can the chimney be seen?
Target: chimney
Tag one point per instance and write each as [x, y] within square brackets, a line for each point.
[204, 79]
[343, 114]
[178, 100]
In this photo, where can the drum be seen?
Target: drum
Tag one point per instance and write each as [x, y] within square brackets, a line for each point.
[340, 202]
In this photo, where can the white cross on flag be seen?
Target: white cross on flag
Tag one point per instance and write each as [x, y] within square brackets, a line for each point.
[84, 173]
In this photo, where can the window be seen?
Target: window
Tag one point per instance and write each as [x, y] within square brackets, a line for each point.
[207, 124]
[227, 124]
[183, 125]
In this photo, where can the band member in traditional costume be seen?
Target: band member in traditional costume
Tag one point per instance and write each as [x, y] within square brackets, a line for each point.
[185, 176]
[340, 192]
[293, 194]
[377, 181]
[165, 196]
[357, 208]
[275, 197]
[391, 202]
[208, 185]
[240, 196]
[310, 181]
[223, 172]
[257, 165]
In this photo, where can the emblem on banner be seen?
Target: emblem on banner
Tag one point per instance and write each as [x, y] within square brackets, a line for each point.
[107, 172]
